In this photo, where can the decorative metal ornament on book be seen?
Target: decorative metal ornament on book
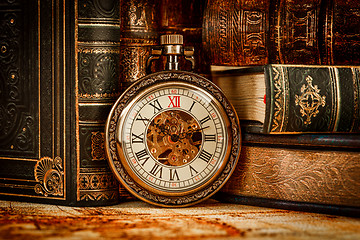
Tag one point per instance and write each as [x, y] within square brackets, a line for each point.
[172, 138]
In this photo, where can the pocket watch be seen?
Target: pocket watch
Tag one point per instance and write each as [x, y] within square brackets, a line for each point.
[172, 138]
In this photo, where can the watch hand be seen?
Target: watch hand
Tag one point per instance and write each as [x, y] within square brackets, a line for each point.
[190, 132]
[173, 137]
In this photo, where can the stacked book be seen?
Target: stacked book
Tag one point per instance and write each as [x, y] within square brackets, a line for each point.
[291, 73]
[63, 64]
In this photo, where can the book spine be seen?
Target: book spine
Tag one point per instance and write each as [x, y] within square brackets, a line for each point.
[139, 32]
[294, 37]
[235, 32]
[348, 142]
[97, 50]
[248, 32]
[315, 99]
[139, 26]
[185, 17]
[341, 32]
[298, 175]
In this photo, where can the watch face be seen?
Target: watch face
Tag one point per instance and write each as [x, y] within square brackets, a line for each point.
[172, 139]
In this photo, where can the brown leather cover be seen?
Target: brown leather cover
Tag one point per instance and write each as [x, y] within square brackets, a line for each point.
[251, 32]
[235, 32]
[329, 177]
[139, 26]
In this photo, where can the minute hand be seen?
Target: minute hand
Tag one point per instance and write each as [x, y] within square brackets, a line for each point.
[189, 133]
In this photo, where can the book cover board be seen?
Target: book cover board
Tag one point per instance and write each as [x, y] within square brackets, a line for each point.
[59, 78]
[288, 171]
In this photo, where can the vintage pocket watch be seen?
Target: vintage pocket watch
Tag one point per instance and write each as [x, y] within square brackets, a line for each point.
[172, 138]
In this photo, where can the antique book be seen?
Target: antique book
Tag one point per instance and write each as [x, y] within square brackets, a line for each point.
[300, 172]
[278, 99]
[249, 32]
[142, 23]
[59, 78]
[235, 32]
[185, 17]
[139, 24]
[340, 32]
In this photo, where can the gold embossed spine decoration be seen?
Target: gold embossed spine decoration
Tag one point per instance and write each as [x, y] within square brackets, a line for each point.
[235, 32]
[309, 100]
[294, 99]
[97, 50]
[49, 174]
[139, 32]
[294, 32]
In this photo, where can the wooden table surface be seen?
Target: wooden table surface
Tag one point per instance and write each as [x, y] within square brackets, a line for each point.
[137, 220]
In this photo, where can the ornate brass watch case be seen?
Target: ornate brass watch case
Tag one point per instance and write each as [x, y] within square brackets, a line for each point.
[172, 138]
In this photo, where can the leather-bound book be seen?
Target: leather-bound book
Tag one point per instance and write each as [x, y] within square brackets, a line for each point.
[317, 173]
[280, 99]
[249, 32]
[185, 17]
[59, 78]
[235, 32]
[341, 32]
[139, 32]
[294, 31]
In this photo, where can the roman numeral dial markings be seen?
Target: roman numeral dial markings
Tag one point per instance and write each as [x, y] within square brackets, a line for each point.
[142, 156]
[210, 138]
[143, 119]
[192, 105]
[174, 176]
[156, 105]
[174, 101]
[157, 170]
[204, 120]
[204, 155]
[174, 122]
[137, 138]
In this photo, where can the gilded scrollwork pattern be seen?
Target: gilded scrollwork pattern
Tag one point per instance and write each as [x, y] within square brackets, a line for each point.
[294, 32]
[97, 146]
[98, 61]
[279, 101]
[254, 36]
[97, 186]
[98, 71]
[50, 177]
[310, 100]
[235, 32]
[131, 58]
[325, 177]
[16, 113]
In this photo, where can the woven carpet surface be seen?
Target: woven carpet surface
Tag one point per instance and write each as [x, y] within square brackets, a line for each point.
[137, 220]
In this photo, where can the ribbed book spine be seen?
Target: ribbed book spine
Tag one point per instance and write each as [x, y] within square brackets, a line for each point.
[312, 99]
[97, 49]
[250, 32]
[139, 32]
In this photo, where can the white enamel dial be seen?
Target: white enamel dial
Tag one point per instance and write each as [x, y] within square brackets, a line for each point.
[174, 138]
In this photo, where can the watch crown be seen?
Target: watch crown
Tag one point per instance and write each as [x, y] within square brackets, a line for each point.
[171, 39]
